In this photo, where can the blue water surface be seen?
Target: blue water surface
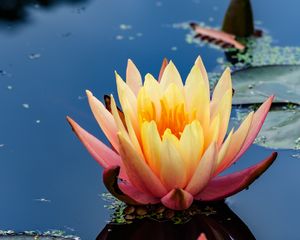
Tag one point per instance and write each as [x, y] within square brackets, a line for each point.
[52, 54]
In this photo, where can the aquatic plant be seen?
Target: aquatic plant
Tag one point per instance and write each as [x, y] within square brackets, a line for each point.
[169, 139]
[238, 19]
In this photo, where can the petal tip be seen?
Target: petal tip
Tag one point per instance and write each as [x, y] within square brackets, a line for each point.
[177, 199]
[88, 93]
[70, 121]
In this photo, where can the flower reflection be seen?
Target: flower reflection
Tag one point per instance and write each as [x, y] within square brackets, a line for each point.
[224, 224]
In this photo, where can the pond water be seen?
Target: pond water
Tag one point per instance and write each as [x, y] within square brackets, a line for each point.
[52, 53]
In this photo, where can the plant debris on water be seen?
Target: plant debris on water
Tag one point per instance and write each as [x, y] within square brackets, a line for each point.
[126, 214]
[51, 234]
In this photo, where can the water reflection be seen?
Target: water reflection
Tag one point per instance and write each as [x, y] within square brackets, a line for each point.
[16, 10]
[224, 224]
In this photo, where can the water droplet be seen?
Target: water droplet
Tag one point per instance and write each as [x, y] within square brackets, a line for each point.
[215, 8]
[9, 87]
[125, 27]
[174, 48]
[119, 37]
[34, 56]
[81, 97]
[42, 200]
[296, 155]
[25, 105]
[38, 121]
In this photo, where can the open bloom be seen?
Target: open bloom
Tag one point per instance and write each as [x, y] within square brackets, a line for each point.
[171, 142]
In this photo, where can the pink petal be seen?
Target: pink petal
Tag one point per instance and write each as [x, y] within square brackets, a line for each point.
[256, 124]
[105, 156]
[110, 180]
[225, 186]
[202, 237]
[162, 69]
[133, 77]
[104, 119]
[138, 196]
[177, 199]
[124, 191]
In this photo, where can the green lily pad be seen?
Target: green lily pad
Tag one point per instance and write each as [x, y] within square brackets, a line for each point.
[254, 85]
[280, 129]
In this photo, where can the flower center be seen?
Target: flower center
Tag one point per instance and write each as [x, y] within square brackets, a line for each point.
[174, 118]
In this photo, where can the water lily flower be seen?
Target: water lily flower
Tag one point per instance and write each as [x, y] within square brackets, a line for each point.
[170, 140]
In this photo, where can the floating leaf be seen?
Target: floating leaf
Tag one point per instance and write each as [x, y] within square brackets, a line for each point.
[254, 85]
[280, 130]
[217, 37]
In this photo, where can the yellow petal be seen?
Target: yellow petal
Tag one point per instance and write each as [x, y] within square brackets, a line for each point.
[127, 130]
[104, 119]
[213, 132]
[204, 170]
[170, 75]
[133, 77]
[197, 97]
[173, 95]
[201, 66]
[128, 101]
[172, 166]
[237, 141]
[153, 90]
[224, 147]
[146, 109]
[223, 85]
[116, 116]
[139, 173]
[223, 108]
[191, 146]
[133, 137]
[151, 145]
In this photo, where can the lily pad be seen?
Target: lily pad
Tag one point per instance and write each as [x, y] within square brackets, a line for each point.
[280, 129]
[254, 85]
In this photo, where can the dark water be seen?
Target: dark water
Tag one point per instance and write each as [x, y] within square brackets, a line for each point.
[52, 54]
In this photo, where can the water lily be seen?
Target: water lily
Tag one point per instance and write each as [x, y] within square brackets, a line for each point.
[170, 140]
